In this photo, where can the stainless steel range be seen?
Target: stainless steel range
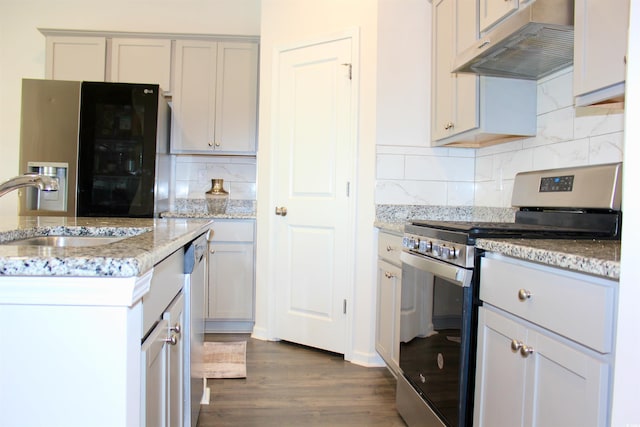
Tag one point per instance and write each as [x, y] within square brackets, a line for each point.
[440, 280]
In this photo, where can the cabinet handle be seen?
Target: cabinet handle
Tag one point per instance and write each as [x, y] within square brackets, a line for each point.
[516, 345]
[281, 211]
[389, 248]
[212, 251]
[448, 126]
[484, 43]
[389, 275]
[211, 144]
[177, 328]
[524, 294]
[172, 340]
[217, 143]
[525, 351]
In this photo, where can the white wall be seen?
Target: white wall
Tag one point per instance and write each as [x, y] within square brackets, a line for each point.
[626, 411]
[22, 47]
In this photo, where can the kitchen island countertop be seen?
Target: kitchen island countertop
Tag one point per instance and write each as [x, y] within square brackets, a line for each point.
[151, 241]
[597, 257]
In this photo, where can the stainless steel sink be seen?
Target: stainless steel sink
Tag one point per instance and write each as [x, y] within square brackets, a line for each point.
[66, 241]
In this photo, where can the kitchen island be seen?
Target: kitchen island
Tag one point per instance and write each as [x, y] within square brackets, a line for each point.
[76, 320]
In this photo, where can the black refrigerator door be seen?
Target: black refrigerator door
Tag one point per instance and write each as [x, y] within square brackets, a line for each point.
[117, 149]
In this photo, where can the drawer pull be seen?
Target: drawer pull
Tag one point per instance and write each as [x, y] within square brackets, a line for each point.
[516, 345]
[389, 248]
[524, 294]
[389, 275]
[172, 340]
[525, 351]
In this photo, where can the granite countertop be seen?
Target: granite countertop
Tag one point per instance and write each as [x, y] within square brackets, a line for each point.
[152, 240]
[197, 208]
[598, 257]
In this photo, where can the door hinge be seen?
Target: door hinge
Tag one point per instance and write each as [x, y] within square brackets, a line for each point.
[344, 306]
[350, 70]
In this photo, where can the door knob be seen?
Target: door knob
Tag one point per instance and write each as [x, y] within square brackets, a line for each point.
[281, 211]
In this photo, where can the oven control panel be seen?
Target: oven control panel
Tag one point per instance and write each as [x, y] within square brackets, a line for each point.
[455, 253]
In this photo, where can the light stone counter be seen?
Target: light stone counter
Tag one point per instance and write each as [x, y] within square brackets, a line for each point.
[392, 218]
[597, 257]
[152, 240]
[197, 208]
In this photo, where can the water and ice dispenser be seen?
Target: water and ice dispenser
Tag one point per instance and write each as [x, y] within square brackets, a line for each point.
[55, 201]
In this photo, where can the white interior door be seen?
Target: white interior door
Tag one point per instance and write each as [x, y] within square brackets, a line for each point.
[314, 243]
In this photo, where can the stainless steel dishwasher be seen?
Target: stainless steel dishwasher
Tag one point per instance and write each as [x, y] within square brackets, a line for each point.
[195, 269]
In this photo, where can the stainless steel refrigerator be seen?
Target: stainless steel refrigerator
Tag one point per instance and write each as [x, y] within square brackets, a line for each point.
[106, 143]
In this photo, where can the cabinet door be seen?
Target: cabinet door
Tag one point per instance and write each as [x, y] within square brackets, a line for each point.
[231, 281]
[388, 314]
[455, 96]
[141, 61]
[154, 377]
[443, 80]
[75, 58]
[500, 372]
[466, 85]
[524, 388]
[236, 97]
[600, 49]
[492, 11]
[194, 97]
[174, 315]
[557, 372]
[215, 97]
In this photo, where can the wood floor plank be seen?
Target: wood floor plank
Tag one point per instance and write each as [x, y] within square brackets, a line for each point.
[292, 385]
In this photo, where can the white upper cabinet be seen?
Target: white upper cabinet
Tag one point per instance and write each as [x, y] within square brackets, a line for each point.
[75, 58]
[600, 48]
[467, 110]
[493, 11]
[137, 60]
[215, 97]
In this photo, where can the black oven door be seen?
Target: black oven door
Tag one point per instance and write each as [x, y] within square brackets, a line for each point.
[437, 335]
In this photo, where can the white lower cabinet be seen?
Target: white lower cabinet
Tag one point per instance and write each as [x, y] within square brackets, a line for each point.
[528, 374]
[388, 299]
[528, 377]
[163, 348]
[230, 301]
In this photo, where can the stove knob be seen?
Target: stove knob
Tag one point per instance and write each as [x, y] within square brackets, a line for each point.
[436, 250]
[449, 253]
[446, 252]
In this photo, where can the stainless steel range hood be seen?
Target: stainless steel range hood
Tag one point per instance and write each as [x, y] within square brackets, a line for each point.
[532, 43]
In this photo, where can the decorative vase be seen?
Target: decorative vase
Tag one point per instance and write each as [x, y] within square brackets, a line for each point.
[217, 197]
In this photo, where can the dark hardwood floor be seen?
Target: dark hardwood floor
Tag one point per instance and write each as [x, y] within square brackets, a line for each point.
[292, 385]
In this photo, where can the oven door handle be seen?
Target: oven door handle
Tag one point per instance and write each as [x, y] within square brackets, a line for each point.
[459, 276]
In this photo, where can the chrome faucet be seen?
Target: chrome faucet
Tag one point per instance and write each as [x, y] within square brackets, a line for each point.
[41, 182]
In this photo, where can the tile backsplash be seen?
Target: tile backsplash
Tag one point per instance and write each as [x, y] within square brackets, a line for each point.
[567, 136]
[193, 175]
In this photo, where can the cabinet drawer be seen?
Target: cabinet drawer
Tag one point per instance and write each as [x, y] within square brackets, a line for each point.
[166, 282]
[389, 247]
[232, 231]
[576, 306]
